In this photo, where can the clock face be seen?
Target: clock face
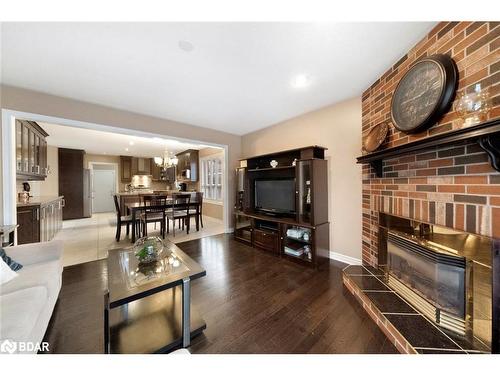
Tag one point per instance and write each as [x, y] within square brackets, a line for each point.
[418, 95]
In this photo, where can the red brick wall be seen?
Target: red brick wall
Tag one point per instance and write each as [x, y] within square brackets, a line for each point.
[453, 186]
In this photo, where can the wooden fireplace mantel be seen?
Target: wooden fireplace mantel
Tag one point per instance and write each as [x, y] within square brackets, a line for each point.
[486, 134]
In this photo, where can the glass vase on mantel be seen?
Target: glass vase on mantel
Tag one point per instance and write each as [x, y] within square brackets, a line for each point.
[474, 107]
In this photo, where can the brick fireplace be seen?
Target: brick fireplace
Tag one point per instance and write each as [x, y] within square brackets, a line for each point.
[453, 186]
[450, 186]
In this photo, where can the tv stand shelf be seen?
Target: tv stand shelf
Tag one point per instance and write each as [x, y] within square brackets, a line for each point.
[274, 219]
[307, 169]
[271, 169]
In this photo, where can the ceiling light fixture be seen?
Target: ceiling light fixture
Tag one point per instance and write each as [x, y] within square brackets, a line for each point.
[131, 143]
[126, 149]
[168, 160]
[186, 46]
[301, 81]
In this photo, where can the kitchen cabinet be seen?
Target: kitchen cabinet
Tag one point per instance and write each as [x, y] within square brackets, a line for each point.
[141, 166]
[51, 219]
[156, 170]
[31, 151]
[188, 166]
[126, 168]
[28, 219]
[40, 221]
[170, 174]
[162, 174]
[131, 166]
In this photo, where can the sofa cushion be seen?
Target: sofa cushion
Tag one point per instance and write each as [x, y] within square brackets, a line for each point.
[20, 311]
[14, 266]
[46, 274]
[6, 274]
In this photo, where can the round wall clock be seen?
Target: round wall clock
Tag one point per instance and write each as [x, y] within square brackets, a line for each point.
[424, 93]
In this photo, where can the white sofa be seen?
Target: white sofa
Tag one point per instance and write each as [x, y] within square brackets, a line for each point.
[27, 301]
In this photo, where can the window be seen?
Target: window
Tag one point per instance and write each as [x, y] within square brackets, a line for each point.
[211, 177]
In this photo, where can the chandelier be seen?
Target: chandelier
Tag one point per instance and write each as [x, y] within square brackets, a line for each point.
[168, 160]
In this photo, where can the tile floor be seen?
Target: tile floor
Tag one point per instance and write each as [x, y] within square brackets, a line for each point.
[90, 239]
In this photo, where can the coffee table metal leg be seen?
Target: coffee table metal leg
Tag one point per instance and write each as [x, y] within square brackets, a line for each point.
[106, 324]
[186, 312]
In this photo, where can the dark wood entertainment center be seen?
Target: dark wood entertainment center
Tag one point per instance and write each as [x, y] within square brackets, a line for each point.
[303, 235]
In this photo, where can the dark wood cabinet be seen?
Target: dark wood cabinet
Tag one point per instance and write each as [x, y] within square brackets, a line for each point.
[188, 166]
[242, 189]
[31, 151]
[71, 182]
[312, 190]
[170, 174]
[301, 236]
[141, 166]
[243, 227]
[156, 170]
[28, 219]
[130, 166]
[40, 222]
[126, 168]
[266, 240]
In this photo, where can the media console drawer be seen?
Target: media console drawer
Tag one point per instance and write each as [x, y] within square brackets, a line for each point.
[266, 240]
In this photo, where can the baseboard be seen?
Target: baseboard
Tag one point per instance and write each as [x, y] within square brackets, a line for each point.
[344, 258]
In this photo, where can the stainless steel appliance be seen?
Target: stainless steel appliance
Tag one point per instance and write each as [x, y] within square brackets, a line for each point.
[186, 174]
[87, 193]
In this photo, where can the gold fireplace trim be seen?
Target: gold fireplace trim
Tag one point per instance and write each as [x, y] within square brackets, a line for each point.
[476, 249]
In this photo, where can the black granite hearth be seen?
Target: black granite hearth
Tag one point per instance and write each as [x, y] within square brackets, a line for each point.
[424, 336]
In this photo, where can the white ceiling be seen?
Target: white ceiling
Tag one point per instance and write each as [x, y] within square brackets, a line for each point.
[107, 143]
[236, 79]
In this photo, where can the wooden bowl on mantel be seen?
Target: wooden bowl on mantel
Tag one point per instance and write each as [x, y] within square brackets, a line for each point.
[376, 136]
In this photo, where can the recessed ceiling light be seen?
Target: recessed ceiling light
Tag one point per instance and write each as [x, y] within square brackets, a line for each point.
[301, 81]
[185, 45]
[126, 149]
[131, 143]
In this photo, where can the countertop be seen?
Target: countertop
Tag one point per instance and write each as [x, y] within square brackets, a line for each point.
[39, 201]
[6, 229]
[148, 192]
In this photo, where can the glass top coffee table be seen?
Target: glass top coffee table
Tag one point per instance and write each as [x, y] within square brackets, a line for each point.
[147, 308]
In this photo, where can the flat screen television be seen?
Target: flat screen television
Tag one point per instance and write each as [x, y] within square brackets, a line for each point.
[275, 196]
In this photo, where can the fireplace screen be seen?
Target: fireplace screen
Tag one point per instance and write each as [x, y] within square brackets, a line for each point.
[433, 281]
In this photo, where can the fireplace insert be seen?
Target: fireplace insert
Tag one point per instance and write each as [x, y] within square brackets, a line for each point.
[430, 278]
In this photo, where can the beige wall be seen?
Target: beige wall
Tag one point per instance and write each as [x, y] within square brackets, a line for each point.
[337, 127]
[94, 158]
[18, 99]
[212, 210]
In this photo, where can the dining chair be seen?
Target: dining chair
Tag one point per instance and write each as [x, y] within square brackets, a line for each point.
[180, 210]
[197, 200]
[121, 219]
[154, 214]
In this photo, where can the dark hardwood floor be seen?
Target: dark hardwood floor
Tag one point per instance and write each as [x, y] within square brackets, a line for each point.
[251, 301]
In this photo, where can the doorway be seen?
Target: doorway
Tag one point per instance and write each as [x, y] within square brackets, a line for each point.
[103, 188]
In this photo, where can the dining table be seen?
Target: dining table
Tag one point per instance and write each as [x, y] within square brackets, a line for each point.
[134, 207]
